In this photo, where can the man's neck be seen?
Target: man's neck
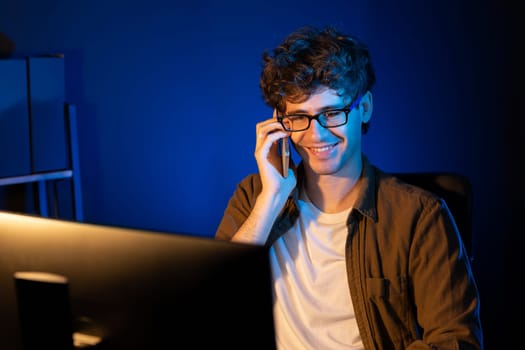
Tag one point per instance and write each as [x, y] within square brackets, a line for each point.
[333, 193]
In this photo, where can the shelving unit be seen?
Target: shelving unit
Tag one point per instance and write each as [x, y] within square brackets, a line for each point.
[38, 138]
[43, 179]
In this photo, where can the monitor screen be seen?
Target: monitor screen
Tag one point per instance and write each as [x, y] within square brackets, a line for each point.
[139, 289]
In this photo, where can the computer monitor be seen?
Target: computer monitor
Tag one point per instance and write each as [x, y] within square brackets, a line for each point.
[139, 289]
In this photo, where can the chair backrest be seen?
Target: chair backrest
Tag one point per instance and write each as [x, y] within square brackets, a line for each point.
[456, 190]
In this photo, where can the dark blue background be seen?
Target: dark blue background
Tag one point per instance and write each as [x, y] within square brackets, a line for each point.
[167, 96]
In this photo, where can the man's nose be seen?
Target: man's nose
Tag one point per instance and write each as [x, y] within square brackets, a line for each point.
[315, 129]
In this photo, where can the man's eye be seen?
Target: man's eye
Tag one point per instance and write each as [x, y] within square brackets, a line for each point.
[331, 114]
[297, 117]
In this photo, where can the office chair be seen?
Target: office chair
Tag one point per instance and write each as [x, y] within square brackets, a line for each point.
[456, 190]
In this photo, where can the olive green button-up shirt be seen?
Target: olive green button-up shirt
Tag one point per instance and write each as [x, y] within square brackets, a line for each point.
[409, 275]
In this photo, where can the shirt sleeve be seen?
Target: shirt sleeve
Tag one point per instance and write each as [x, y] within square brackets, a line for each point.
[444, 288]
[239, 207]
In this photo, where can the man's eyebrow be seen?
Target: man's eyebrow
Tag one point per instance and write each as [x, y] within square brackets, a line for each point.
[324, 109]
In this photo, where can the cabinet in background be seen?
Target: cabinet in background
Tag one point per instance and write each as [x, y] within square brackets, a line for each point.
[39, 169]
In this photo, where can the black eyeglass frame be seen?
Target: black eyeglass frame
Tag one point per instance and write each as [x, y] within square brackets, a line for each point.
[346, 110]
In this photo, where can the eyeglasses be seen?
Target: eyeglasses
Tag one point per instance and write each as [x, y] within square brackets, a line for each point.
[328, 119]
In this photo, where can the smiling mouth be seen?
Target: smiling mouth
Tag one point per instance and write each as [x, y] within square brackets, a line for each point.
[324, 149]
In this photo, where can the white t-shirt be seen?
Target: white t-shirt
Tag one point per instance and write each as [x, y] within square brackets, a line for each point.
[312, 304]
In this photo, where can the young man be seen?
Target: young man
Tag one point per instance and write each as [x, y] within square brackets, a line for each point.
[359, 259]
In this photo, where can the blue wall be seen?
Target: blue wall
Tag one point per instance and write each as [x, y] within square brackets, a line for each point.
[167, 95]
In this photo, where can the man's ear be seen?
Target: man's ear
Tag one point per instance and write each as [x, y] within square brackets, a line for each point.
[366, 106]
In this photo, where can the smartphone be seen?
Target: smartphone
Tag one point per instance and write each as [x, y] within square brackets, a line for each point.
[285, 150]
[285, 155]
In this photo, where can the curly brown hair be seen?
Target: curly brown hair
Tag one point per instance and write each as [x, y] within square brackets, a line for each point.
[311, 58]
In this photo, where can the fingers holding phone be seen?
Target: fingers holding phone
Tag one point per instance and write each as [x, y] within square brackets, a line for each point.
[273, 157]
[272, 149]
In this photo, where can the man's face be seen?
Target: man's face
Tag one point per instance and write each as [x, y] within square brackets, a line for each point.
[331, 151]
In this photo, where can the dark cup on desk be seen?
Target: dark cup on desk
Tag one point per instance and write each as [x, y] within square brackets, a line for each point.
[44, 312]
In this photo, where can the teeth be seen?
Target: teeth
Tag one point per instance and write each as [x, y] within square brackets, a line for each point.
[321, 149]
